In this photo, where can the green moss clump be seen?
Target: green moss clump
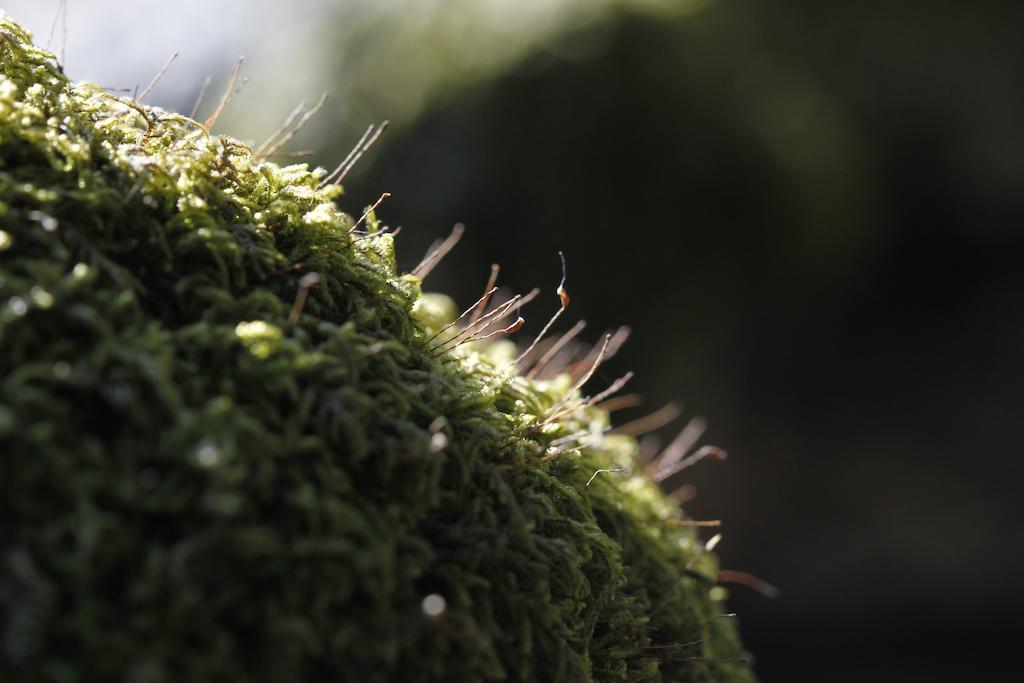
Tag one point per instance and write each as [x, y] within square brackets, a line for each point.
[191, 489]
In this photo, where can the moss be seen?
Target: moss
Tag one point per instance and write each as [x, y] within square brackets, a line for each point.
[191, 488]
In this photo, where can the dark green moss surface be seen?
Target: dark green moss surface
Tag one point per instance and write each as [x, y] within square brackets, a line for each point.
[191, 489]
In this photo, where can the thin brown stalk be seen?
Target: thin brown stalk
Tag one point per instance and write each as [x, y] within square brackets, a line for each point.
[681, 445]
[529, 296]
[620, 402]
[749, 580]
[650, 423]
[480, 336]
[383, 231]
[305, 283]
[62, 15]
[56, 17]
[694, 522]
[226, 97]
[563, 297]
[704, 452]
[597, 362]
[362, 150]
[466, 312]
[330, 176]
[297, 154]
[200, 96]
[435, 255]
[480, 325]
[370, 210]
[569, 438]
[562, 341]
[295, 130]
[156, 79]
[648, 446]
[618, 338]
[615, 386]
[288, 121]
[481, 305]
[557, 408]
[684, 494]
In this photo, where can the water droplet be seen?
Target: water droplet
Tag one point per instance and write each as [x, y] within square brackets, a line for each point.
[437, 442]
[434, 605]
[17, 305]
[48, 222]
[40, 297]
[207, 454]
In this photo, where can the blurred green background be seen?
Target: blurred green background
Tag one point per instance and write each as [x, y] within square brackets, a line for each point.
[809, 213]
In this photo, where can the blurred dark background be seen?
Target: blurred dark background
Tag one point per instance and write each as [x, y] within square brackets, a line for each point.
[810, 215]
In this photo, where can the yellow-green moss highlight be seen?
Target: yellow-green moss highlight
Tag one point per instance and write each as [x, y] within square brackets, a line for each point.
[193, 490]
